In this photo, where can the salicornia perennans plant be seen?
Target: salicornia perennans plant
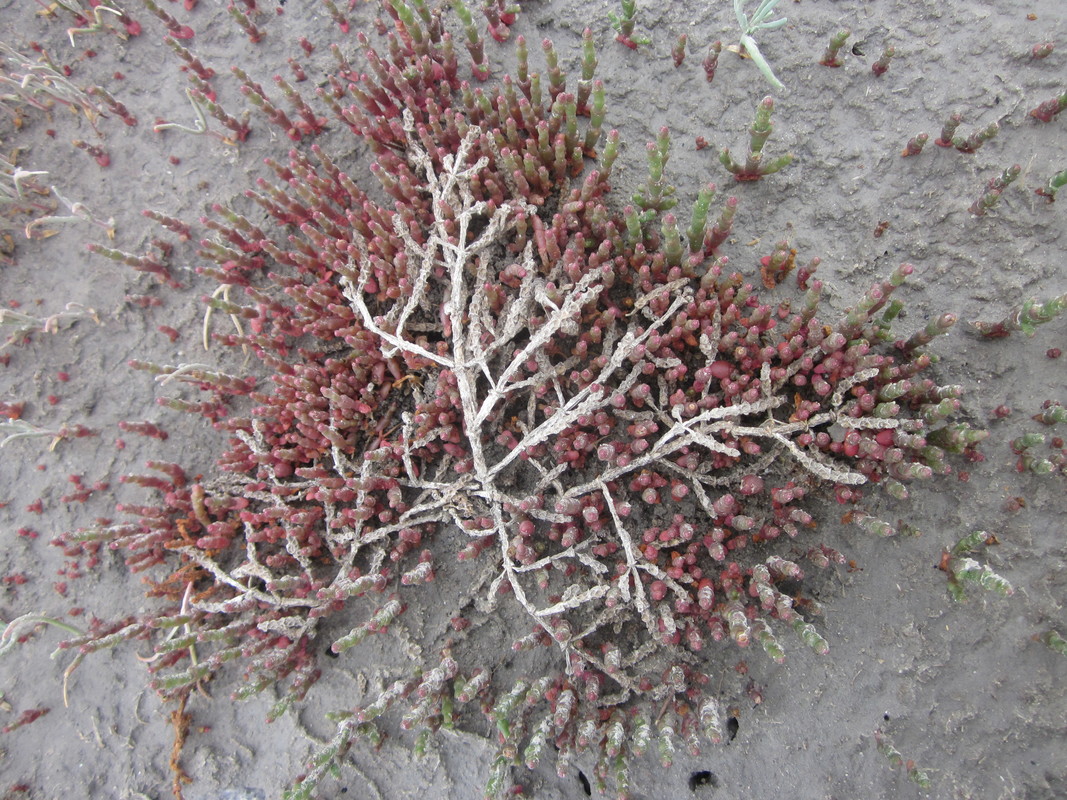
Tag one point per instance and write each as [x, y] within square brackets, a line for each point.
[1025, 317]
[1055, 183]
[837, 41]
[964, 571]
[754, 166]
[498, 367]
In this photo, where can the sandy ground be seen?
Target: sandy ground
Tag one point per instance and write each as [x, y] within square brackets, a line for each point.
[964, 690]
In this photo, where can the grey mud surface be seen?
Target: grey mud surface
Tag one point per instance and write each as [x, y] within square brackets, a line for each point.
[964, 690]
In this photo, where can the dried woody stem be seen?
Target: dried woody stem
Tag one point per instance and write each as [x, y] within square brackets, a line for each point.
[488, 364]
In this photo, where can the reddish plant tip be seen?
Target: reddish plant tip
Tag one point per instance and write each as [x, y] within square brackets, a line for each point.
[11, 410]
[1048, 110]
[25, 718]
[1042, 50]
[169, 332]
[915, 145]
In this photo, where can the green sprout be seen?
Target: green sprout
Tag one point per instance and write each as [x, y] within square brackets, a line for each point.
[624, 24]
[749, 25]
[1055, 183]
[964, 572]
[1055, 642]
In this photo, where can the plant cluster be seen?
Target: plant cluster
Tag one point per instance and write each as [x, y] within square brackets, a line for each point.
[610, 419]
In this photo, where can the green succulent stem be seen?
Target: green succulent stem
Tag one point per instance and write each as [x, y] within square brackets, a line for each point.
[749, 25]
[754, 167]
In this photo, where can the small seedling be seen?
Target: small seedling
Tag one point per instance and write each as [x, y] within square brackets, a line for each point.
[964, 571]
[971, 143]
[990, 196]
[1055, 642]
[754, 167]
[758, 22]
[500, 16]
[624, 24]
[915, 145]
[20, 627]
[1050, 108]
[23, 325]
[1055, 183]
[711, 60]
[948, 130]
[97, 152]
[116, 108]
[1023, 318]
[14, 429]
[895, 759]
[97, 24]
[78, 213]
[200, 102]
[1052, 414]
[1042, 50]
[678, 49]
[1029, 460]
[837, 41]
[337, 15]
[881, 66]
